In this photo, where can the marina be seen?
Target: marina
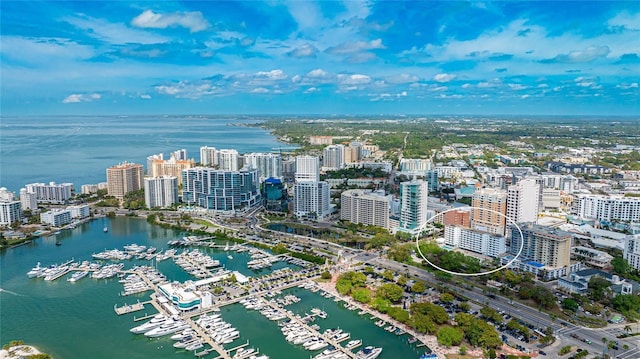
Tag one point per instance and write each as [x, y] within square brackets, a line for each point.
[109, 281]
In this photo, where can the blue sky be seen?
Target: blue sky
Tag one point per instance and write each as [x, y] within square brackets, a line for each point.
[326, 57]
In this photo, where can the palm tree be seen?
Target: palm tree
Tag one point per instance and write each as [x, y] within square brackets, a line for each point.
[627, 328]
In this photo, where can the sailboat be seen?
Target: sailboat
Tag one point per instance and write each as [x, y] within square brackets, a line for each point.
[105, 229]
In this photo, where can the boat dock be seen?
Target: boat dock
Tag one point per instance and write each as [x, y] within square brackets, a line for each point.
[129, 308]
[314, 332]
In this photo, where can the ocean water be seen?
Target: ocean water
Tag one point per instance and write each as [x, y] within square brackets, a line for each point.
[77, 320]
[79, 149]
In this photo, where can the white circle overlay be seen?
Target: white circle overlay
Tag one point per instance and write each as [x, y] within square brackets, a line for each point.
[422, 228]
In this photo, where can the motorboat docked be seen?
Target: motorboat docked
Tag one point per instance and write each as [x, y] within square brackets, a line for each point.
[169, 328]
[368, 352]
[155, 322]
[353, 344]
[77, 276]
[36, 271]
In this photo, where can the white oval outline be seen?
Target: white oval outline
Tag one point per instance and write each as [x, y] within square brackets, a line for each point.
[423, 226]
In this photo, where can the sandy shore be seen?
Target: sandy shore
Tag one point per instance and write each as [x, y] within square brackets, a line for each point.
[18, 351]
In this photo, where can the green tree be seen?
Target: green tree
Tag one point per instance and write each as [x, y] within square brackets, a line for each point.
[418, 287]
[449, 336]
[423, 323]
[362, 295]
[446, 298]
[388, 275]
[326, 275]
[570, 304]
[390, 291]
[598, 288]
[620, 266]
[402, 281]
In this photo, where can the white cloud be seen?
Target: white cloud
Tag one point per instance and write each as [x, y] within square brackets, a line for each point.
[114, 33]
[443, 77]
[186, 89]
[625, 86]
[272, 75]
[626, 20]
[192, 20]
[318, 74]
[517, 87]
[525, 96]
[401, 78]
[311, 90]
[355, 79]
[77, 98]
[356, 46]
[260, 90]
[587, 55]
[145, 96]
[306, 50]
[44, 51]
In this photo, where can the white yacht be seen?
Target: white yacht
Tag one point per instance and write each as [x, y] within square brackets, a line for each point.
[353, 344]
[36, 271]
[77, 276]
[157, 321]
[168, 328]
[194, 346]
[368, 352]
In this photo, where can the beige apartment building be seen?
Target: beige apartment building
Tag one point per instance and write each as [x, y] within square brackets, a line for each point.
[124, 178]
[488, 204]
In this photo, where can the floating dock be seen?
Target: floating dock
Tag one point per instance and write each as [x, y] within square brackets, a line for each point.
[128, 308]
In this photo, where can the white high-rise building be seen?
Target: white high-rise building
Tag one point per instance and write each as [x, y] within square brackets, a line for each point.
[56, 217]
[365, 207]
[267, 164]
[413, 205]
[79, 211]
[6, 195]
[10, 211]
[160, 192]
[476, 241]
[415, 165]
[179, 155]
[29, 200]
[333, 157]
[311, 200]
[307, 168]
[208, 156]
[608, 208]
[150, 160]
[523, 201]
[228, 160]
[632, 251]
[52, 192]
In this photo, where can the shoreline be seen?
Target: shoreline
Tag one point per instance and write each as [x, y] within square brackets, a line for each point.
[19, 351]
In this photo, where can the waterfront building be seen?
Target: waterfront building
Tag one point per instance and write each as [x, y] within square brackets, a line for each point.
[208, 156]
[578, 282]
[150, 160]
[608, 208]
[320, 140]
[274, 195]
[79, 211]
[10, 211]
[220, 190]
[268, 164]
[523, 201]
[180, 155]
[413, 206]
[56, 217]
[52, 192]
[124, 178]
[545, 245]
[631, 251]
[307, 168]
[171, 167]
[185, 296]
[489, 210]
[28, 200]
[333, 157]
[311, 200]
[160, 192]
[92, 188]
[6, 195]
[487, 244]
[228, 160]
[365, 207]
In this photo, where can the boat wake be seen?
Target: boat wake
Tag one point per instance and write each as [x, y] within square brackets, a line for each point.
[10, 292]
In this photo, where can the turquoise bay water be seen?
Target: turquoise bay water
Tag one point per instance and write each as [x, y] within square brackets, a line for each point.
[76, 320]
[78, 149]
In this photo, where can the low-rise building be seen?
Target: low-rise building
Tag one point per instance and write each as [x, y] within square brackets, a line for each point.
[79, 211]
[10, 211]
[592, 257]
[56, 217]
